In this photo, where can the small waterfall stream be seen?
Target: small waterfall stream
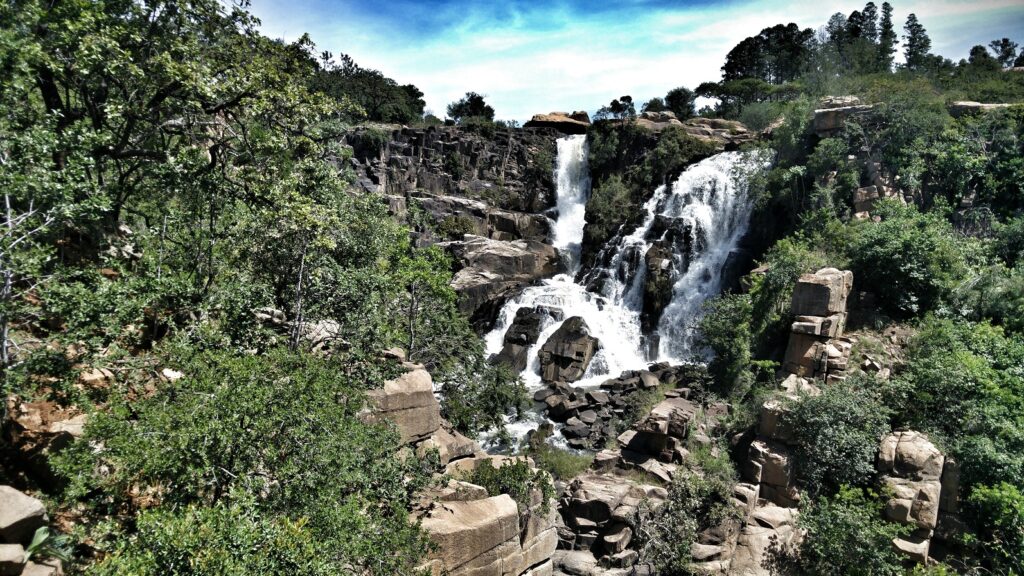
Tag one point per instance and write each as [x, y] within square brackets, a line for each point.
[700, 218]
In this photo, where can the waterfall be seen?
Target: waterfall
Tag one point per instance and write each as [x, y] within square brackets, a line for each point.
[617, 326]
[699, 220]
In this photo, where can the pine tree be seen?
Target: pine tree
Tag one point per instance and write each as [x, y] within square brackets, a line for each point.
[886, 39]
[917, 43]
[869, 22]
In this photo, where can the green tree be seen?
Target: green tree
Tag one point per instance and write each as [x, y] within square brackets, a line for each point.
[999, 510]
[1005, 51]
[681, 101]
[837, 434]
[472, 105]
[886, 39]
[656, 104]
[869, 22]
[725, 330]
[917, 44]
[911, 260]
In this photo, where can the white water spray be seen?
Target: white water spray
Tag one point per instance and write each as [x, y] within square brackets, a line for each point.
[702, 216]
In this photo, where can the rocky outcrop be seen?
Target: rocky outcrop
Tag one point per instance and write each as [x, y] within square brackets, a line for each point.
[491, 270]
[568, 352]
[591, 417]
[453, 214]
[924, 486]
[723, 134]
[657, 285]
[408, 402]
[575, 123]
[474, 533]
[830, 119]
[598, 521]
[966, 107]
[485, 536]
[816, 348]
[20, 516]
[523, 333]
[510, 170]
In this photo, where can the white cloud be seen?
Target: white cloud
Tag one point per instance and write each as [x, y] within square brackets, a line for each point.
[550, 59]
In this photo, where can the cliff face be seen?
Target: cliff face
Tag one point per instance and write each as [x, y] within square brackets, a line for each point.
[487, 197]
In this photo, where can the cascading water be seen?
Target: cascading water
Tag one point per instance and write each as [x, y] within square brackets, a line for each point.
[700, 217]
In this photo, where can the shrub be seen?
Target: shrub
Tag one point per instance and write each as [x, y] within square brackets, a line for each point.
[725, 330]
[696, 502]
[910, 260]
[518, 480]
[998, 512]
[229, 538]
[281, 428]
[837, 435]
[845, 536]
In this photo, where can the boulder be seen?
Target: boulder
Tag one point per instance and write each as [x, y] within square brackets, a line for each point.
[450, 444]
[576, 562]
[821, 326]
[568, 352]
[913, 502]
[594, 497]
[769, 464]
[12, 559]
[915, 545]
[575, 123]
[475, 533]
[657, 285]
[829, 121]
[20, 516]
[864, 199]
[768, 527]
[823, 293]
[491, 269]
[829, 102]
[909, 454]
[523, 333]
[408, 401]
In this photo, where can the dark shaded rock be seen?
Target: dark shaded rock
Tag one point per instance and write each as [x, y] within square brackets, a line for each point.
[567, 354]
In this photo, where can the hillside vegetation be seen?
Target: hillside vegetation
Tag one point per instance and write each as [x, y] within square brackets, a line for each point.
[186, 260]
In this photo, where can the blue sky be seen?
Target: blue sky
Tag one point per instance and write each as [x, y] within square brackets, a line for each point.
[537, 57]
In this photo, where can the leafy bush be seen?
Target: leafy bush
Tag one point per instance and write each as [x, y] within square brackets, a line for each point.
[725, 330]
[965, 383]
[518, 480]
[998, 511]
[910, 260]
[846, 536]
[772, 291]
[228, 538]
[609, 200]
[478, 397]
[696, 502]
[282, 428]
[837, 435]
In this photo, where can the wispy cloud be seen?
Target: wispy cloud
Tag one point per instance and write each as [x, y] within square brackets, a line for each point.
[573, 54]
